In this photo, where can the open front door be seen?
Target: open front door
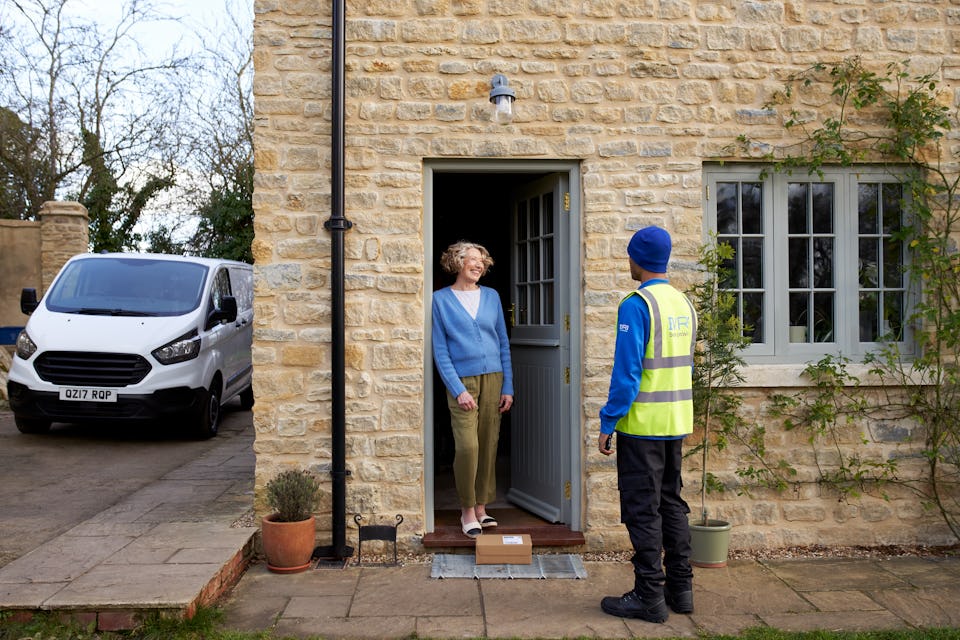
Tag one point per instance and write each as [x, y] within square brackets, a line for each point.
[539, 339]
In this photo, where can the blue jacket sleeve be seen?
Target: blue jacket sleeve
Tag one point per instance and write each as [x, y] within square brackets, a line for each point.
[441, 352]
[633, 325]
[505, 362]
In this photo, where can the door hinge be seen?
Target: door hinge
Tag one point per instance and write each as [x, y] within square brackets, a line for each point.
[707, 193]
[566, 321]
[566, 375]
[566, 490]
[566, 201]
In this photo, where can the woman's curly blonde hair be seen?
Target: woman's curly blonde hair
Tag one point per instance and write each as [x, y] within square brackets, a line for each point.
[452, 258]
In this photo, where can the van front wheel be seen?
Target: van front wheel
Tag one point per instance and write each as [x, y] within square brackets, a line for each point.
[31, 425]
[208, 420]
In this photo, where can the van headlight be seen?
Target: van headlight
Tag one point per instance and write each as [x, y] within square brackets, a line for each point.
[186, 347]
[26, 347]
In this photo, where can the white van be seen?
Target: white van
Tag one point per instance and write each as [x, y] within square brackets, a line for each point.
[135, 337]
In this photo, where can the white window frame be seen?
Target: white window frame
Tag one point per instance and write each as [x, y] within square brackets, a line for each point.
[776, 347]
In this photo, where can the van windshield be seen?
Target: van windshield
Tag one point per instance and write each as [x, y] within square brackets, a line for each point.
[128, 287]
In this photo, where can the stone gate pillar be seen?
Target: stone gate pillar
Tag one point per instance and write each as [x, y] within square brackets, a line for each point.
[64, 232]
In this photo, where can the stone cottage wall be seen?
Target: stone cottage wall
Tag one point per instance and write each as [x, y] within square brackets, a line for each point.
[642, 92]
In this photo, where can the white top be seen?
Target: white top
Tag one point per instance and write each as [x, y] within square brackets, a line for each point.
[470, 301]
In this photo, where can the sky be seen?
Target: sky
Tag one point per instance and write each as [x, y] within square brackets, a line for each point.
[159, 37]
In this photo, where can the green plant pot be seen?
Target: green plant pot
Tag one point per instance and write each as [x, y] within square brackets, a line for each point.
[710, 543]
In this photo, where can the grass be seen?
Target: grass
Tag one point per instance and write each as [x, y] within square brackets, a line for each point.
[205, 626]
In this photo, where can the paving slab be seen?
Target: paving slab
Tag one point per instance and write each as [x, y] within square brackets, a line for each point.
[835, 621]
[936, 607]
[932, 572]
[409, 591]
[834, 574]
[842, 601]
[366, 628]
[744, 587]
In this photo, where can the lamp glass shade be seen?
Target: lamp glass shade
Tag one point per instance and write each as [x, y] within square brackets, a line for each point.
[503, 109]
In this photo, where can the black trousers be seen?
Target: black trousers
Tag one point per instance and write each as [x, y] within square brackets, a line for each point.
[656, 517]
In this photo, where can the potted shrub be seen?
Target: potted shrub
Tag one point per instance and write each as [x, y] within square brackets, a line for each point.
[717, 364]
[288, 534]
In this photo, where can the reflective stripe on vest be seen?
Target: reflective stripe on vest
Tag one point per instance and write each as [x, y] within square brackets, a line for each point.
[664, 404]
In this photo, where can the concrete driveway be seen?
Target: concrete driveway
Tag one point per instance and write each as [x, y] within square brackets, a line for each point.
[49, 483]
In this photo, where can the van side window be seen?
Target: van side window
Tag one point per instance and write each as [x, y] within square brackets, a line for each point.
[221, 289]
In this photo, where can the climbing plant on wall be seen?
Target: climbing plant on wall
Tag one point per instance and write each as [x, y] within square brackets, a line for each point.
[887, 116]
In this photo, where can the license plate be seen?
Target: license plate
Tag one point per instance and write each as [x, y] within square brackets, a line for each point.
[88, 394]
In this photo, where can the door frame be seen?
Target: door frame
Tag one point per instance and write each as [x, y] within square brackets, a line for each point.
[571, 279]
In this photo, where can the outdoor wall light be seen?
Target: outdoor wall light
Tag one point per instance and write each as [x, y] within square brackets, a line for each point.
[502, 97]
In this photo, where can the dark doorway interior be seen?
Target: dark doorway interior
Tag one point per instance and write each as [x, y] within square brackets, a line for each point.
[473, 207]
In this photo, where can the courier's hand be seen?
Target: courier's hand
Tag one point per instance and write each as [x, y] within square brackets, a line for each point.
[604, 443]
[505, 403]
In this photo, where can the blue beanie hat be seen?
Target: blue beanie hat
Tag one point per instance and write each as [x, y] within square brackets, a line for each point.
[650, 249]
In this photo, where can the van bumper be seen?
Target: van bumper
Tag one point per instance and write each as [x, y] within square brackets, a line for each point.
[156, 406]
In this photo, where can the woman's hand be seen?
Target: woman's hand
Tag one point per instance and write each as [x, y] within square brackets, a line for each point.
[466, 401]
[505, 403]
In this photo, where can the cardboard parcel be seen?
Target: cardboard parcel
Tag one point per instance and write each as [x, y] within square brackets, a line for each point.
[507, 548]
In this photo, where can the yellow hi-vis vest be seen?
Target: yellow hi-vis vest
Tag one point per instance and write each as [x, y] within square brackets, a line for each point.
[664, 405]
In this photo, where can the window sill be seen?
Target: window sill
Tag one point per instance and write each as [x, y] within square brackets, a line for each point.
[791, 375]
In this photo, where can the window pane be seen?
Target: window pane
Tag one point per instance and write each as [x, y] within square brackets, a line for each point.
[892, 195]
[823, 208]
[522, 266]
[521, 221]
[731, 274]
[868, 316]
[823, 263]
[548, 258]
[799, 265]
[752, 263]
[726, 207]
[893, 315]
[534, 261]
[522, 305]
[799, 312]
[547, 303]
[751, 203]
[547, 214]
[869, 263]
[752, 313]
[534, 217]
[823, 317]
[534, 304]
[867, 207]
[892, 265]
[797, 207]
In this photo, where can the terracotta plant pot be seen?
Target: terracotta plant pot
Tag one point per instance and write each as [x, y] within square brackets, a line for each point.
[288, 546]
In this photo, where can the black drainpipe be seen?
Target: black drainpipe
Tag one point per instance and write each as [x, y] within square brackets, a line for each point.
[337, 225]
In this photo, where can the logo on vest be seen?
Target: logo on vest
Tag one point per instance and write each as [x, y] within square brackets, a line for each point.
[679, 326]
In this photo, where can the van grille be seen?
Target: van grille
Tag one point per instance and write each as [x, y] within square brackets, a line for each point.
[82, 369]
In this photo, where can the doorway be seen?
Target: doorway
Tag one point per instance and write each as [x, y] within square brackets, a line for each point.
[527, 215]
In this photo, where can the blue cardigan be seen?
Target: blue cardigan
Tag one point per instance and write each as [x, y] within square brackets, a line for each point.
[465, 347]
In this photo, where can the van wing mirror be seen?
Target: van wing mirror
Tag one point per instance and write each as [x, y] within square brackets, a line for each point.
[227, 311]
[228, 307]
[28, 300]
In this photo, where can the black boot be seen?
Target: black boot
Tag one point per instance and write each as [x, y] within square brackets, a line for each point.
[630, 605]
[679, 601]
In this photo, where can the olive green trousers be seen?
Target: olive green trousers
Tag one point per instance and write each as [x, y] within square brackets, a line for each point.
[476, 434]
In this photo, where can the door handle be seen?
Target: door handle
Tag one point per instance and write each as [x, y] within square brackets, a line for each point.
[512, 320]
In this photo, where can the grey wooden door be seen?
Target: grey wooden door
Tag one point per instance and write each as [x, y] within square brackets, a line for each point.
[539, 344]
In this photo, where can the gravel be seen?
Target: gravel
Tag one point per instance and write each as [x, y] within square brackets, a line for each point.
[786, 553]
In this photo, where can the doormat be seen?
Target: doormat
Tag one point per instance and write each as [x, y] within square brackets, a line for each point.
[542, 567]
